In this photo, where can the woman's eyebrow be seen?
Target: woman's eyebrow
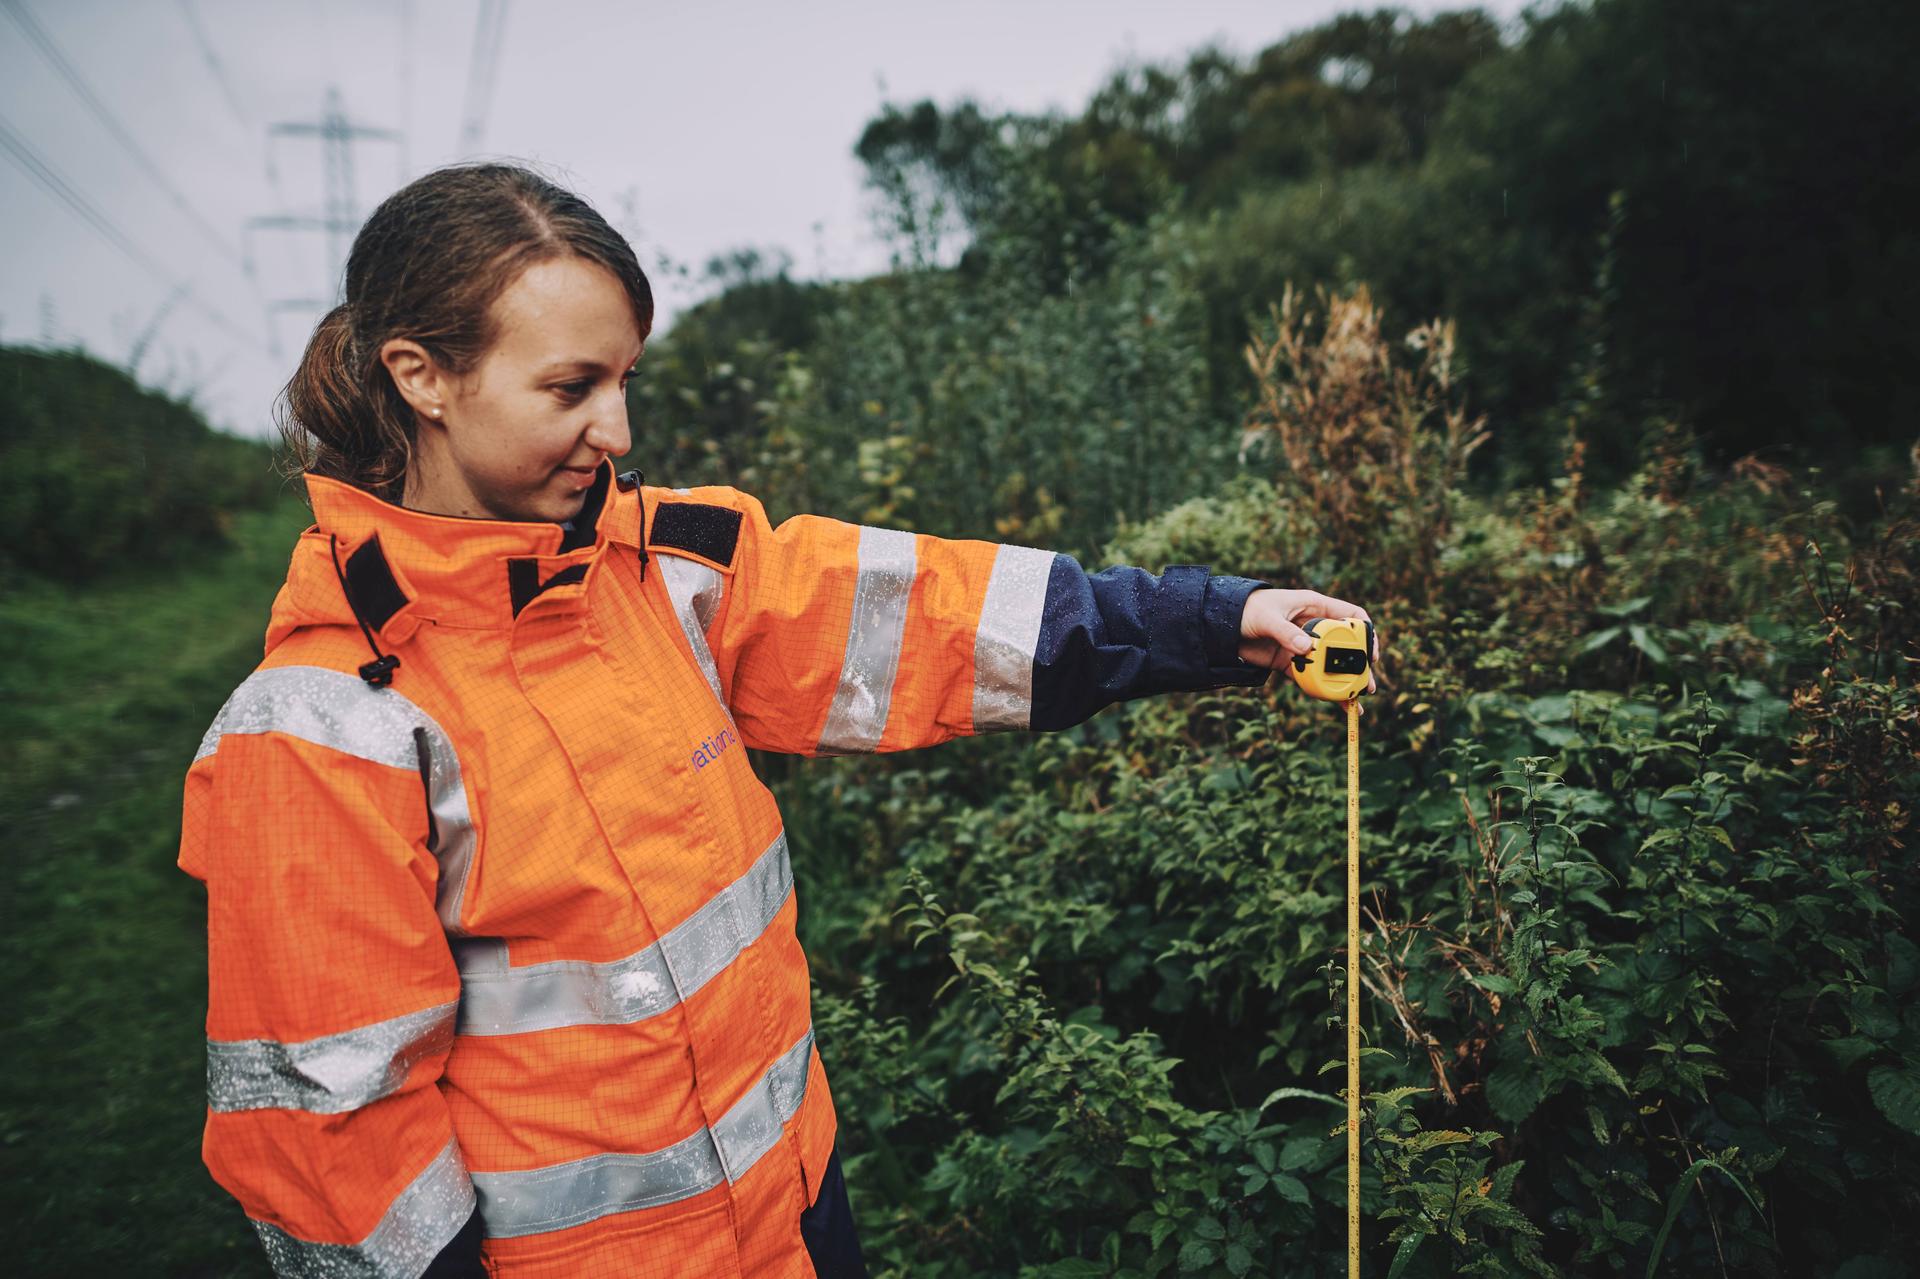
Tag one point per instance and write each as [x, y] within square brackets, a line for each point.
[558, 367]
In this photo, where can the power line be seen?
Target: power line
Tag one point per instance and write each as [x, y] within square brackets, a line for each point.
[217, 68]
[489, 28]
[36, 167]
[84, 91]
[214, 65]
[52, 53]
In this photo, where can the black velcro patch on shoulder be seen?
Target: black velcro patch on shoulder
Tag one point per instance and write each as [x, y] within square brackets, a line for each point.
[708, 531]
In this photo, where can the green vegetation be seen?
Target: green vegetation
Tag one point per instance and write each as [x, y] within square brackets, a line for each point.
[1635, 795]
[1633, 209]
[105, 693]
[180, 536]
[1575, 354]
[1564, 353]
[97, 472]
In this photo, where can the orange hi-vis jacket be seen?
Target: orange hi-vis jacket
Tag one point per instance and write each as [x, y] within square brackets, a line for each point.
[501, 922]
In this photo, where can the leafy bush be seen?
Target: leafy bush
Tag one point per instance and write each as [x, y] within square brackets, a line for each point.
[1639, 986]
[926, 400]
[98, 472]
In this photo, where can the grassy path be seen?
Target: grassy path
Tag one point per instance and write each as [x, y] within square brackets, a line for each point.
[104, 693]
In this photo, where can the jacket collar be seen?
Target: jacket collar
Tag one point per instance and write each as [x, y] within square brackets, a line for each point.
[404, 567]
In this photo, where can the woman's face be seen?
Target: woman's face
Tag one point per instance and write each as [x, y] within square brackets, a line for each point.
[520, 435]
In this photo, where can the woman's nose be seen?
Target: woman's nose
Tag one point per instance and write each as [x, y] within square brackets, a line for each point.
[608, 431]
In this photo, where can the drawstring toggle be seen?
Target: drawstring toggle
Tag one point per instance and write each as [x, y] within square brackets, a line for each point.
[379, 672]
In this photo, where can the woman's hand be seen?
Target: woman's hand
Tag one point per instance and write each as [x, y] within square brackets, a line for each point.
[1270, 634]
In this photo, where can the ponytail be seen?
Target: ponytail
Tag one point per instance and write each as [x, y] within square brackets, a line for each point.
[336, 415]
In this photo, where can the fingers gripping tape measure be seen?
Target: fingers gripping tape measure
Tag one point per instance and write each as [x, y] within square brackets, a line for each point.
[1336, 671]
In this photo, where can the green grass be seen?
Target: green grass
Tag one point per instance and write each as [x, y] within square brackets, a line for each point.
[104, 693]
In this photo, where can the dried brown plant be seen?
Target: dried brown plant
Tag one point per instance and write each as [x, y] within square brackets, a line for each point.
[1375, 445]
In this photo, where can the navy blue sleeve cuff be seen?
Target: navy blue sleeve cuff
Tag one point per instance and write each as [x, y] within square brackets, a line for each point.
[1220, 620]
[1123, 633]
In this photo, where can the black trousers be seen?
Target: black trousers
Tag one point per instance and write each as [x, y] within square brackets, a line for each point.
[827, 1228]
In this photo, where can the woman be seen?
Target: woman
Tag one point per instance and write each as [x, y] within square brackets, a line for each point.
[503, 973]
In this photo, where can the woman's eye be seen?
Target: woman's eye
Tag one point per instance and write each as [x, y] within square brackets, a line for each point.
[574, 390]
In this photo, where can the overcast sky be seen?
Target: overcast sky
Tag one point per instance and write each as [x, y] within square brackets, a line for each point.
[695, 128]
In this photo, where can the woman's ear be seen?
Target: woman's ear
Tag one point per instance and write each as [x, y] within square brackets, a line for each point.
[420, 379]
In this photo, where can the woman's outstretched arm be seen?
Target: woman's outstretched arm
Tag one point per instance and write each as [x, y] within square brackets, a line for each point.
[837, 638]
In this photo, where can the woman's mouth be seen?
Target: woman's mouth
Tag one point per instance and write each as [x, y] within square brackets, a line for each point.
[577, 476]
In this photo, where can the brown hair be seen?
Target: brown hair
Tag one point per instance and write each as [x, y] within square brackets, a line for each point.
[427, 266]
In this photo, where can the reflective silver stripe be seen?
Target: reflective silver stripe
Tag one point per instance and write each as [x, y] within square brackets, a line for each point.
[421, 1221]
[342, 712]
[752, 1125]
[566, 992]
[452, 843]
[569, 1194]
[1009, 632]
[328, 1075]
[695, 590]
[858, 715]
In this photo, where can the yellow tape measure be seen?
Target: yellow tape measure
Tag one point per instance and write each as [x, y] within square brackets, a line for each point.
[1336, 671]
